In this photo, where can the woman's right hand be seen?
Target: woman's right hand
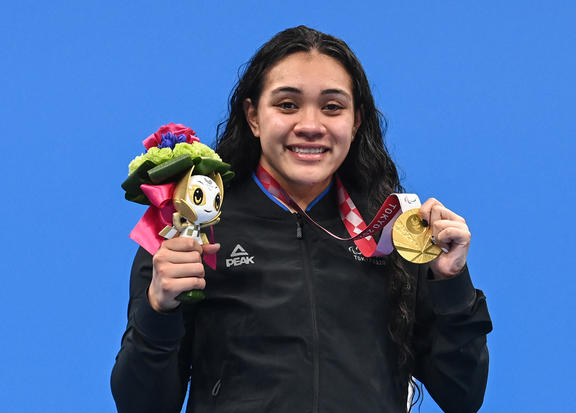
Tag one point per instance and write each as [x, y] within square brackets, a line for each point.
[177, 267]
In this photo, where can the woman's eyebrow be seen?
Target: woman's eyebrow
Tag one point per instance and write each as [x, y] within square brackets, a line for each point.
[286, 89]
[290, 89]
[336, 92]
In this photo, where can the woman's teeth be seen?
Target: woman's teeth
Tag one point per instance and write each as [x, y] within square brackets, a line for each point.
[307, 150]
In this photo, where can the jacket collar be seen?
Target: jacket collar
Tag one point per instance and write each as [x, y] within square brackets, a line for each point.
[279, 203]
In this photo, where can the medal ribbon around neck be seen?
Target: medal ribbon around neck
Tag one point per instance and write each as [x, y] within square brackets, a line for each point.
[360, 233]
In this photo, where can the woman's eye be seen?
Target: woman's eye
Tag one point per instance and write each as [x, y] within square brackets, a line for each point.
[287, 105]
[332, 107]
[198, 196]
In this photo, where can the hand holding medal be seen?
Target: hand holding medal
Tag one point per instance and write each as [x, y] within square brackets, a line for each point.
[451, 234]
[433, 234]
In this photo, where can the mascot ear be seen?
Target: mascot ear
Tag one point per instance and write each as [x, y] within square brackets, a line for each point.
[216, 177]
[180, 195]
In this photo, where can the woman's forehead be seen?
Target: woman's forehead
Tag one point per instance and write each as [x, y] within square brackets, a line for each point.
[304, 70]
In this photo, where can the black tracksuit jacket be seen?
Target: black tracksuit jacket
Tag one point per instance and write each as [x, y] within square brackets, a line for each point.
[296, 322]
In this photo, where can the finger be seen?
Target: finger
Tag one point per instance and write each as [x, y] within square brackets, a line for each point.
[182, 257]
[165, 256]
[179, 257]
[175, 286]
[442, 224]
[432, 208]
[182, 244]
[168, 271]
[437, 212]
[440, 212]
[163, 291]
[426, 208]
[451, 236]
[188, 270]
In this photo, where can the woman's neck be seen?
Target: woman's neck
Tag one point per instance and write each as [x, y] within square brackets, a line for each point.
[302, 194]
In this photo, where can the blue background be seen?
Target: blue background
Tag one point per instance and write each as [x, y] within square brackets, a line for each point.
[480, 98]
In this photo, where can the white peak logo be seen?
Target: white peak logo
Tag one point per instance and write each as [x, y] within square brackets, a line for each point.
[238, 251]
[239, 256]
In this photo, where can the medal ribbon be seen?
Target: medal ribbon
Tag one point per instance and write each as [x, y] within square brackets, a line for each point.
[359, 232]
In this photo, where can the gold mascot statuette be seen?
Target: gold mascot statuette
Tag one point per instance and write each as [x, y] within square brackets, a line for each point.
[186, 214]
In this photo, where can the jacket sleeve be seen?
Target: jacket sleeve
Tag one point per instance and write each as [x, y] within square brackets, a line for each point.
[150, 373]
[451, 357]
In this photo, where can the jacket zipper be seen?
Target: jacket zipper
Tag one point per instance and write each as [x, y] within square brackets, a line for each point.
[298, 226]
[315, 337]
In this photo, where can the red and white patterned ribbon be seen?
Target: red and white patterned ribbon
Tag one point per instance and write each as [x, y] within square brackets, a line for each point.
[360, 233]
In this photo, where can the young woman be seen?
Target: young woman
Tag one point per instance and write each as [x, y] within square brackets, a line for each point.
[293, 320]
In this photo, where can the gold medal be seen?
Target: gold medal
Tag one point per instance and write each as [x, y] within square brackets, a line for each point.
[412, 240]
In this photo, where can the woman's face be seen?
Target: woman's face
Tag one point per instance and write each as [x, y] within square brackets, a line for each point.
[305, 121]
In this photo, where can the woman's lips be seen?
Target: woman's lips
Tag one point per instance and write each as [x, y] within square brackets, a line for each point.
[307, 150]
[308, 153]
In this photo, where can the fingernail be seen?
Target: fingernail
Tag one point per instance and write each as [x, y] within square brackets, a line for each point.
[425, 222]
[445, 250]
[433, 240]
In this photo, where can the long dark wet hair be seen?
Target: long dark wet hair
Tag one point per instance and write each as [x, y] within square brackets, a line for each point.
[367, 169]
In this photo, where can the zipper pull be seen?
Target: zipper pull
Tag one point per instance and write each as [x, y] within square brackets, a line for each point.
[298, 226]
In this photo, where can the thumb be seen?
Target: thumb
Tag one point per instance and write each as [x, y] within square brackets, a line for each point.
[210, 248]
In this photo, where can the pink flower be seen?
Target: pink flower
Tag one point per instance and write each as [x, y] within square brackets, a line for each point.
[177, 129]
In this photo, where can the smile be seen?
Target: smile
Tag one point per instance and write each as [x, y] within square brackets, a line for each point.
[299, 149]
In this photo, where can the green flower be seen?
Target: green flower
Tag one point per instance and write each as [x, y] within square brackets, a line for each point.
[159, 156]
[155, 155]
[136, 162]
[195, 149]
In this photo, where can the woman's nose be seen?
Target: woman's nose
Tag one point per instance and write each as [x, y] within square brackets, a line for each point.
[310, 124]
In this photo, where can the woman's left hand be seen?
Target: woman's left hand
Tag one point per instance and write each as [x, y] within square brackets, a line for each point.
[450, 233]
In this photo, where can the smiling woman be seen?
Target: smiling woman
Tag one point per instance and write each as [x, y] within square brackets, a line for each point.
[293, 320]
[305, 121]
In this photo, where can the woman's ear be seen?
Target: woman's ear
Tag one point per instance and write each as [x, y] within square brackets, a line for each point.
[357, 122]
[251, 117]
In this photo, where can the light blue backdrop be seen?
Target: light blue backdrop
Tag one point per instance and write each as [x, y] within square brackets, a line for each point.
[480, 98]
